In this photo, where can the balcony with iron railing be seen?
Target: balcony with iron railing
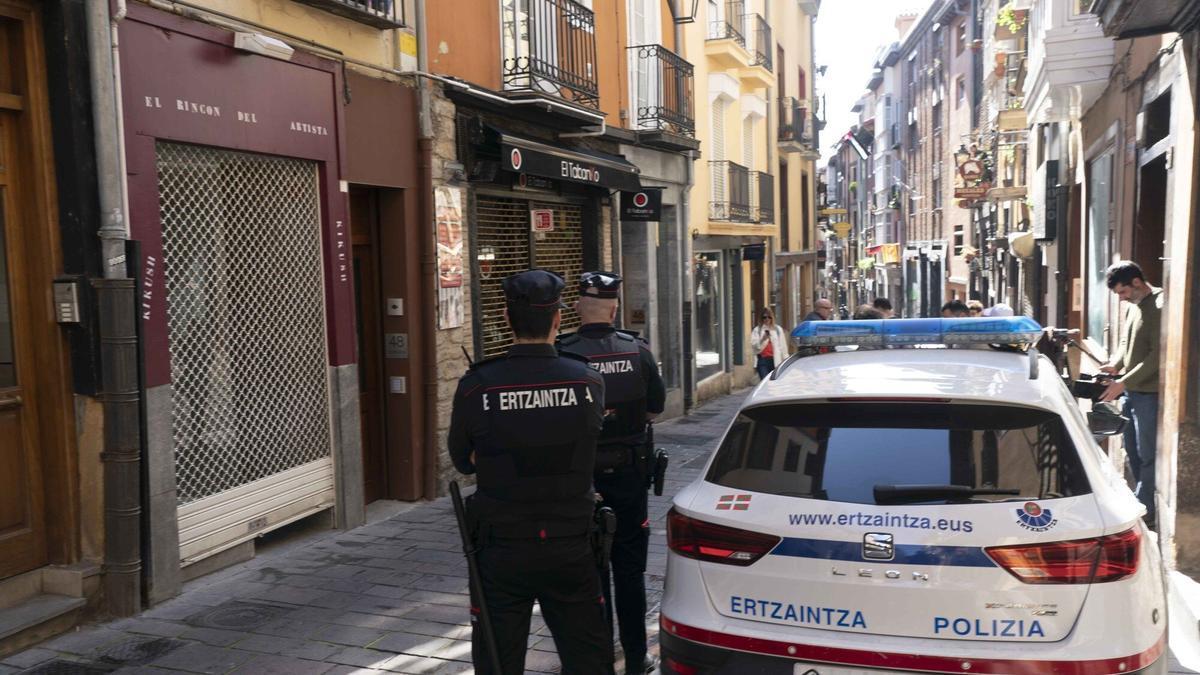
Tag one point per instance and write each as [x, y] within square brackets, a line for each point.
[549, 48]
[383, 14]
[760, 43]
[762, 194]
[796, 127]
[663, 85]
[729, 189]
[729, 25]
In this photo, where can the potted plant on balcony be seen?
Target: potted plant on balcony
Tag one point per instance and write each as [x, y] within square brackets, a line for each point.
[1010, 22]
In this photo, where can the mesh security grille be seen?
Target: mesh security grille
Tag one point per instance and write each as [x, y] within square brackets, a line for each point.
[561, 251]
[242, 251]
[503, 238]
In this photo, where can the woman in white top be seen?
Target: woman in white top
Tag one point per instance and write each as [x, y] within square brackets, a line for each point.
[769, 344]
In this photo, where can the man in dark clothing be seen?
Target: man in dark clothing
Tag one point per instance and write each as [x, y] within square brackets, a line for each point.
[526, 425]
[955, 309]
[884, 306]
[821, 311]
[634, 394]
[1136, 365]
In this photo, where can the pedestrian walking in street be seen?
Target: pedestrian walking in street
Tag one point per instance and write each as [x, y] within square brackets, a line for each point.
[868, 312]
[821, 311]
[634, 394]
[884, 306]
[525, 424]
[1135, 370]
[769, 343]
[955, 309]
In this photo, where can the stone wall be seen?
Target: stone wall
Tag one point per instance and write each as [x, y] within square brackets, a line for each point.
[449, 343]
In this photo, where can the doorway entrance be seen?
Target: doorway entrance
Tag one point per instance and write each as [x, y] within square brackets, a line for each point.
[364, 238]
[1150, 226]
[37, 526]
[22, 533]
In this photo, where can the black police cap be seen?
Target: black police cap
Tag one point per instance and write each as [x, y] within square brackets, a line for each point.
[536, 289]
[599, 284]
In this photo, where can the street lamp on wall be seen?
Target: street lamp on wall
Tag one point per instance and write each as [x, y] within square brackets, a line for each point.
[687, 18]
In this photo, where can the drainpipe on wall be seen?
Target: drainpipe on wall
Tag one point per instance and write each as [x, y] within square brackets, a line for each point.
[115, 297]
[685, 249]
[428, 314]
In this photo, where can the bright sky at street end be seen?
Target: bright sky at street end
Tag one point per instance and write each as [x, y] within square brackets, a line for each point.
[848, 34]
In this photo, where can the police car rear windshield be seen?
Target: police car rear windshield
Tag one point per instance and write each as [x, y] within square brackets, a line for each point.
[841, 451]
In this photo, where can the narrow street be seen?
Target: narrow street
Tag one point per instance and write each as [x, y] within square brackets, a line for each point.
[390, 596]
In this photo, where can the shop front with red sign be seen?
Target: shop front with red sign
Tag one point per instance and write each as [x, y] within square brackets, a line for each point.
[246, 280]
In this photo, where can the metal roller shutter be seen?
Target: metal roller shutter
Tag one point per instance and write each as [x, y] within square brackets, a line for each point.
[503, 243]
[561, 251]
[244, 272]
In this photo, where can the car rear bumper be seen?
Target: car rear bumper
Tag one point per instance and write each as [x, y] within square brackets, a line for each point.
[700, 650]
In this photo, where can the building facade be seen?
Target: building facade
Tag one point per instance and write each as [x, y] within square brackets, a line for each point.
[798, 140]
[229, 178]
[544, 144]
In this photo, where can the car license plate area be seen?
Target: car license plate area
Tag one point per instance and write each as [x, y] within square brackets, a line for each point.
[824, 669]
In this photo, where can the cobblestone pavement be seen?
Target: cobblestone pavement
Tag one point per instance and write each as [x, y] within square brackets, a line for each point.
[387, 597]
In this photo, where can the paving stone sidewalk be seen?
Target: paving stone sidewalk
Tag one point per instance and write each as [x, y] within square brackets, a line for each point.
[386, 597]
[389, 597]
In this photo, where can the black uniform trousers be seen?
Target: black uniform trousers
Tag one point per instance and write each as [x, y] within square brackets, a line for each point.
[624, 490]
[560, 573]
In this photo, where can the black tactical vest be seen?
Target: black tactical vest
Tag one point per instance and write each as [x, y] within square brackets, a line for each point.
[533, 463]
[617, 357]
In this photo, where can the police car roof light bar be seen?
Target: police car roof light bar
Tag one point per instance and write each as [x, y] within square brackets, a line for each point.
[1019, 330]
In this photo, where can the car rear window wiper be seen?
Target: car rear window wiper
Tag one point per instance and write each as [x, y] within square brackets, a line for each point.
[901, 494]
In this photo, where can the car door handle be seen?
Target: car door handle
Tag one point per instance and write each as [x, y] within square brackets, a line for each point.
[7, 402]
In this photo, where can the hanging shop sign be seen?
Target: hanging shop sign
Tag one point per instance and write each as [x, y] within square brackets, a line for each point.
[645, 205]
[541, 220]
[972, 174]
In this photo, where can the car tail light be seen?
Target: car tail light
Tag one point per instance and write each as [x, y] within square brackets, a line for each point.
[1072, 562]
[710, 542]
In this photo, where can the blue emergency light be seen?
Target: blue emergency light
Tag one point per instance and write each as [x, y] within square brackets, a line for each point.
[1019, 330]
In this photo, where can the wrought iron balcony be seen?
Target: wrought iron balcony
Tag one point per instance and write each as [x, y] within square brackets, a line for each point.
[761, 44]
[378, 13]
[729, 187]
[663, 85]
[731, 25]
[762, 190]
[791, 120]
[550, 48]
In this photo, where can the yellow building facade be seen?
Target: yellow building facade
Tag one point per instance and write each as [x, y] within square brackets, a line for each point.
[753, 214]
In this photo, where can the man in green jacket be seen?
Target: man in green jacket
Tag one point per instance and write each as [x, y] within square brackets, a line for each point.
[1136, 371]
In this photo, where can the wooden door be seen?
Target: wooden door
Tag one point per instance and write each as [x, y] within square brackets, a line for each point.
[22, 534]
[364, 219]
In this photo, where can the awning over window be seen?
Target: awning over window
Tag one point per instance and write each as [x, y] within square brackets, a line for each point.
[587, 167]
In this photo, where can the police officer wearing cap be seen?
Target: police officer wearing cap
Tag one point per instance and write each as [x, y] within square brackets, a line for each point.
[526, 424]
[634, 394]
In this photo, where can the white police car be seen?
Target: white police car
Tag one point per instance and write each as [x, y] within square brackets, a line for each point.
[896, 510]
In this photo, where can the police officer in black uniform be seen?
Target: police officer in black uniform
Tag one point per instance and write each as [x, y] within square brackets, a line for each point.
[526, 425]
[634, 394]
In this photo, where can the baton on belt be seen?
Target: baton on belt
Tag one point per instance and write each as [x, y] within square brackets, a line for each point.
[470, 550]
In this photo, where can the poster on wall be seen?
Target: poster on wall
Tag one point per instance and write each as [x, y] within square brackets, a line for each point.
[449, 256]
